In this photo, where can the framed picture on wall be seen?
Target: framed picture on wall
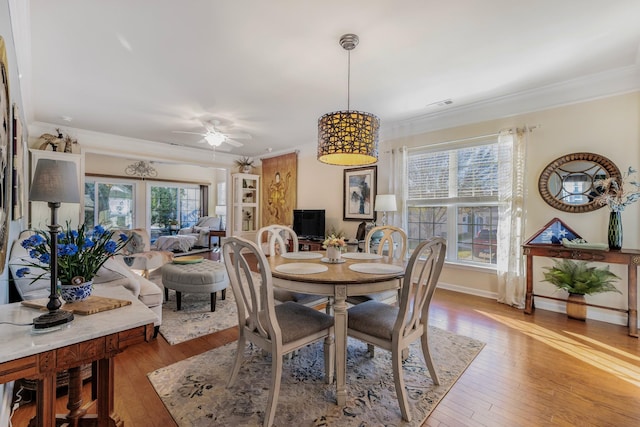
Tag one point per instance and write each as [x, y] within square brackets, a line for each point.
[5, 132]
[18, 165]
[360, 187]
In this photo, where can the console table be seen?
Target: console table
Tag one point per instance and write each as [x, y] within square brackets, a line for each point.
[219, 234]
[629, 257]
[95, 338]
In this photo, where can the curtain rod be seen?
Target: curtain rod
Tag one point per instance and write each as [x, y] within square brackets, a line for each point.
[472, 138]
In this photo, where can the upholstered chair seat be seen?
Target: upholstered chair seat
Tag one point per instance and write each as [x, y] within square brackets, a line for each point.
[394, 327]
[276, 329]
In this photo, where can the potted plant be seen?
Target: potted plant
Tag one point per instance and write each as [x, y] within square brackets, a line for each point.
[245, 164]
[579, 279]
[80, 254]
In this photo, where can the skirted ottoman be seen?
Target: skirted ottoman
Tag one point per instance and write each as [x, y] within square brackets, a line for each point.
[201, 277]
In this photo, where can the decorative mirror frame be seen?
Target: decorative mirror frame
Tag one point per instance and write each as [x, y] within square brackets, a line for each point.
[543, 182]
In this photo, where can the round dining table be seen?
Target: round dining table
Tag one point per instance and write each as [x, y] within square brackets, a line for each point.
[358, 273]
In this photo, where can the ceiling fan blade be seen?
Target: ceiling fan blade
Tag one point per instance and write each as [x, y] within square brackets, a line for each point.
[238, 135]
[233, 143]
[191, 133]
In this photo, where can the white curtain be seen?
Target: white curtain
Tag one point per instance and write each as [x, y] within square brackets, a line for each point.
[510, 261]
[397, 179]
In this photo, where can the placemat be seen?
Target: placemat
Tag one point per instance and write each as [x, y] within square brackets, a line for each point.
[301, 255]
[361, 255]
[301, 268]
[376, 268]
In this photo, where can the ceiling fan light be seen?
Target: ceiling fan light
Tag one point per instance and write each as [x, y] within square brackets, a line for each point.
[214, 138]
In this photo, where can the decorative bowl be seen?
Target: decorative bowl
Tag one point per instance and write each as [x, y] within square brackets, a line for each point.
[75, 293]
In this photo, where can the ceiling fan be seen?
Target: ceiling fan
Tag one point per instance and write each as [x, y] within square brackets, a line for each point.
[215, 138]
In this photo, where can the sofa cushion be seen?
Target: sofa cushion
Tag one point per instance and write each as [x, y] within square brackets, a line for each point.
[208, 222]
[19, 258]
[114, 270]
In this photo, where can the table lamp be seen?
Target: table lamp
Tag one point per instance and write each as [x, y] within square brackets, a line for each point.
[385, 203]
[221, 211]
[54, 181]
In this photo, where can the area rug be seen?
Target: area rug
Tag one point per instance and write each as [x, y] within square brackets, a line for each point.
[195, 318]
[194, 390]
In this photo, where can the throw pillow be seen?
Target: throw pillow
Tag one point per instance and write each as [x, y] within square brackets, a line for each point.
[135, 244]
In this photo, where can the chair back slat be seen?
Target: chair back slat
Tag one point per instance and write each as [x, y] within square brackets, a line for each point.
[253, 291]
[277, 237]
[419, 284]
[394, 240]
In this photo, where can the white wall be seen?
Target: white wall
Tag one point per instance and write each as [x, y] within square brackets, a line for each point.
[6, 32]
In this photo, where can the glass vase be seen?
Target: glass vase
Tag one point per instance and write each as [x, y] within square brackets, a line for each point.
[614, 233]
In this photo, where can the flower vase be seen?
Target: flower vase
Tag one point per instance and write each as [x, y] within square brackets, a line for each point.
[333, 254]
[75, 293]
[614, 233]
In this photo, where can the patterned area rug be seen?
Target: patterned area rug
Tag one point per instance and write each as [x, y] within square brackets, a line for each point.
[194, 390]
[195, 317]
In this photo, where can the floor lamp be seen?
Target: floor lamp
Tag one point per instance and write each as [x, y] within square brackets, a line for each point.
[54, 181]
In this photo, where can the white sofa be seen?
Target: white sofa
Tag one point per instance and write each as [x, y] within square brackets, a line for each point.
[113, 273]
[201, 229]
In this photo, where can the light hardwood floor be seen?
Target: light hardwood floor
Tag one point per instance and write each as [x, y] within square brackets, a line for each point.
[535, 370]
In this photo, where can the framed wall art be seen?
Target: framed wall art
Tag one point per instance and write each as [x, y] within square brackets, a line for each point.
[5, 176]
[360, 187]
[279, 178]
[17, 199]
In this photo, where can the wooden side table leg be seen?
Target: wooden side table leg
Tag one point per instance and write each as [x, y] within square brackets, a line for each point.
[46, 402]
[74, 402]
[633, 299]
[528, 303]
[106, 389]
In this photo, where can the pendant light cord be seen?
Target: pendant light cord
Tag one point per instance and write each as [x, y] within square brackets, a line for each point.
[348, 79]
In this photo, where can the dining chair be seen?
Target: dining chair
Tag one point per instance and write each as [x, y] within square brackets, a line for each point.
[383, 240]
[277, 239]
[277, 329]
[393, 328]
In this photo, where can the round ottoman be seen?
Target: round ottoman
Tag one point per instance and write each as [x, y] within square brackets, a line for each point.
[202, 277]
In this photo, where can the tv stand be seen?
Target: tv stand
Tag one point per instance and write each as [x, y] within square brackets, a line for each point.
[307, 245]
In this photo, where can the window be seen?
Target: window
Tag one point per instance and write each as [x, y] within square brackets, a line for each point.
[108, 203]
[454, 194]
[173, 204]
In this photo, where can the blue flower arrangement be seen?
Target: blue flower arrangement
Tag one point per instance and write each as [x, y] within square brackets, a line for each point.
[80, 253]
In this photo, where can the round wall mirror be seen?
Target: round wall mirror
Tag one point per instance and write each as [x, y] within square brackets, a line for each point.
[568, 183]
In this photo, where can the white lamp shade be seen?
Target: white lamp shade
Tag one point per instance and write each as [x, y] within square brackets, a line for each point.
[55, 181]
[221, 210]
[385, 203]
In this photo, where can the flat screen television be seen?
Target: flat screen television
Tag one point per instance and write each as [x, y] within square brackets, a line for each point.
[309, 223]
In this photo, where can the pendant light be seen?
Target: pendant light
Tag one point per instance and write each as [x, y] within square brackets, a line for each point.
[348, 137]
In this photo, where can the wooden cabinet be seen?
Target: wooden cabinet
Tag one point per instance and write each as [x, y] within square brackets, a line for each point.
[39, 212]
[245, 209]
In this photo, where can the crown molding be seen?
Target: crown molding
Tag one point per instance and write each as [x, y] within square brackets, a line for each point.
[133, 148]
[600, 85]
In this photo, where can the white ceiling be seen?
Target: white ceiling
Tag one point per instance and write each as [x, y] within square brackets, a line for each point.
[143, 69]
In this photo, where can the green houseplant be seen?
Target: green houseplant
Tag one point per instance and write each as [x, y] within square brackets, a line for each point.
[578, 278]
